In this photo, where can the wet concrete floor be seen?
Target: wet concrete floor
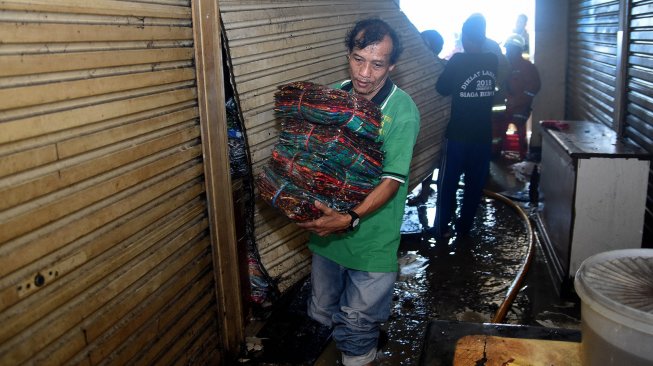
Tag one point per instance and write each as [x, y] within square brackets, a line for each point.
[459, 279]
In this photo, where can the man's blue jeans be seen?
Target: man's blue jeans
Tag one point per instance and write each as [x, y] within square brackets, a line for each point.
[354, 303]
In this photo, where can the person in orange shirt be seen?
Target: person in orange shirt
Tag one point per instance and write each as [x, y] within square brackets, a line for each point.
[521, 86]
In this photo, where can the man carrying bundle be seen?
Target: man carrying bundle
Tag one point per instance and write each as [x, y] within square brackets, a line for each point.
[355, 253]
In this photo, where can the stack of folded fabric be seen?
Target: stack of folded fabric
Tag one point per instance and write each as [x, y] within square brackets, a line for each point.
[328, 150]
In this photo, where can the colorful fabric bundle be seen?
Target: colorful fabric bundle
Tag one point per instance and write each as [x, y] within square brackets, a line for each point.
[323, 105]
[281, 193]
[319, 175]
[333, 145]
[328, 150]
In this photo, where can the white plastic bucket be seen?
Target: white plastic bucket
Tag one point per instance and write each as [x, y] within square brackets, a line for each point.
[616, 292]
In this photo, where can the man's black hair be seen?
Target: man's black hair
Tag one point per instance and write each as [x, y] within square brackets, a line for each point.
[374, 29]
[433, 40]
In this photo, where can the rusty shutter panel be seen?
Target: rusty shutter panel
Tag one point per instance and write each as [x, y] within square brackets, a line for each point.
[104, 242]
[638, 126]
[274, 42]
[592, 70]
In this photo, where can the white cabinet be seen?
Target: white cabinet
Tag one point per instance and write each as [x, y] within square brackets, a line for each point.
[593, 193]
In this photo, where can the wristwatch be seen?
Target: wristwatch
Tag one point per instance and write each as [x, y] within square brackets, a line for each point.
[355, 220]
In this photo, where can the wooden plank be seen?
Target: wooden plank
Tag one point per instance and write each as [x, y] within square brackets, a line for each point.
[296, 253]
[130, 350]
[271, 241]
[118, 341]
[199, 351]
[26, 64]
[167, 284]
[282, 75]
[298, 266]
[18, 253]
[24, 160]
[102, 321]
[289, 279]
[108, 136]
[238, 15]
[67, 33]
[12, 195]
[27, 221]
[192, 316]
[250, 65]
[72, 104]
[267, 219]
[169, 138]
[286, 45]
[77, 257]
[55, 48]
[25, 96]
[70, 134]
[177, 348]
[247, 26]
[224, 244]
[55, 323]
[24, 128]
[102, 7]
[81, 253]
[109, 335]
[496, 351]
[59, 354]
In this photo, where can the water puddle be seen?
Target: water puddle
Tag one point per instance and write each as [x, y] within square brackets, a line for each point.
[463, 279]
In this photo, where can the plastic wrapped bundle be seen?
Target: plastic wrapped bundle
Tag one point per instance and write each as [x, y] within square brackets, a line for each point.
[328, 150]
[320, 104]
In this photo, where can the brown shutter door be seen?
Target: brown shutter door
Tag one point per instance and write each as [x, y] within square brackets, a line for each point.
[104, 242]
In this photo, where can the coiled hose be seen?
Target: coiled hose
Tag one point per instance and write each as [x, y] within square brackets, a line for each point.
[500, 315]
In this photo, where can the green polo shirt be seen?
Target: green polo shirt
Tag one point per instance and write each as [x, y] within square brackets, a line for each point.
[373, 245]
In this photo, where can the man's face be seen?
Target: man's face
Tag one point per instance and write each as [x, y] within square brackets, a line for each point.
[369, 67]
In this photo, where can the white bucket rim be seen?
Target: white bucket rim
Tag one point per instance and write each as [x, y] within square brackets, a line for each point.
[639, 319]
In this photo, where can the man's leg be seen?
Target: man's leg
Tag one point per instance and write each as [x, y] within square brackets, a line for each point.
[366, 304]
[327, 286]
[477, 167]
[523, 140]
[448, 179]
[424, 193]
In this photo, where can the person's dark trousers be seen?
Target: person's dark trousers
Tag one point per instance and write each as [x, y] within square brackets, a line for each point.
[472, 161]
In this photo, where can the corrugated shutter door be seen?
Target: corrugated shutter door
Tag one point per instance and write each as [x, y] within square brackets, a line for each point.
[104, 241]
[638, 126]
[271, 43]
[591, 76]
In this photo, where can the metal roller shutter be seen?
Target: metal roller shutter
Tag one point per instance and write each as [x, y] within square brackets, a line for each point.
[638, 125]
[105, 253]
[592, 70]
[271, 43]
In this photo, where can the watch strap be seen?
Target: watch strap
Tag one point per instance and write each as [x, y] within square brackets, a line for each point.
[355, 219]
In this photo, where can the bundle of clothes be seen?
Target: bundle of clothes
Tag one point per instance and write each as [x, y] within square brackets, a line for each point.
[328, 150]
